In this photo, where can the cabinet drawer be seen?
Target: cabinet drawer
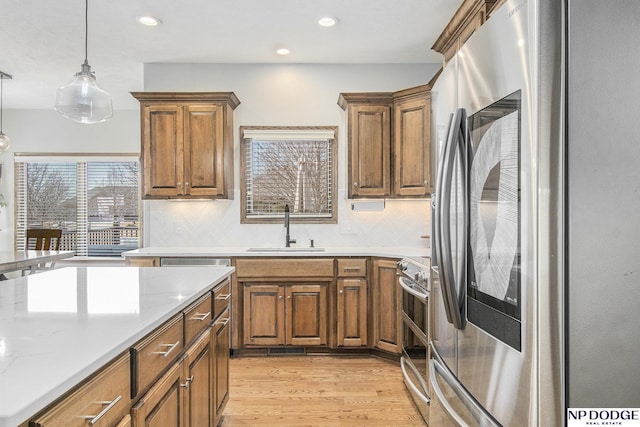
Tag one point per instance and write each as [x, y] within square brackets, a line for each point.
[156, 352]
[197, 317]
[221, 298]
[352, 267]
[104, 400]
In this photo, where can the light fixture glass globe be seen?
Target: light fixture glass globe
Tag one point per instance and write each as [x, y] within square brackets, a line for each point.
[5, 142]
[83, 100]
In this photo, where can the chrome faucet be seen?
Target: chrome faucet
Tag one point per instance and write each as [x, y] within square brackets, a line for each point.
[288, 239]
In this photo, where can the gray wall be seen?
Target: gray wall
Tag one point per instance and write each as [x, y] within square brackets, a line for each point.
[270, 94]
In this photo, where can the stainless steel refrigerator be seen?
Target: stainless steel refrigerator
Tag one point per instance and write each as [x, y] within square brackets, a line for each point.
[536, 232]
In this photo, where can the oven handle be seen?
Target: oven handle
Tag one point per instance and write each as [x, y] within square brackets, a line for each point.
[410, 384]
[421, 296]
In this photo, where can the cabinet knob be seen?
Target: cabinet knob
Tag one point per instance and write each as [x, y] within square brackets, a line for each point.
[186, 184]
[279, 296]
[341, 291]
[355, 185]
[288, 296]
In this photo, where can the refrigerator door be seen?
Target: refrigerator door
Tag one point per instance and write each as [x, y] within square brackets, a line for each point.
[451, 404]
[494, 68]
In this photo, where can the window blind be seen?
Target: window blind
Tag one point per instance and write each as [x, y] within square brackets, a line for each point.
[94, 200]
[288, 168]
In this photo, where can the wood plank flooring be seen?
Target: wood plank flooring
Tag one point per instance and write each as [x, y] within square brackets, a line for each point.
[318, 391]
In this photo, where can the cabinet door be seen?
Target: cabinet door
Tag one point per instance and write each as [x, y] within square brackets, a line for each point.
[204, 150]
[386, 306]
[411, 147]
[198, 382]
[162, 405]
[352, 312]
[306, 308]
[221, 340]
[162, 150]
[263, 310]
[369, 150]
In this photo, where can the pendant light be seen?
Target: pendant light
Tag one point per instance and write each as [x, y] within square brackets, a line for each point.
[82, 100]
[5, 141]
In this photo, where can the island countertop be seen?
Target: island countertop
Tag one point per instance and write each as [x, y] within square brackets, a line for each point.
[59, 327]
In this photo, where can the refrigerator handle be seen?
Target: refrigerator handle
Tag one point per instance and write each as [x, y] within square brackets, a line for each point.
[437, 201]
[456, 143]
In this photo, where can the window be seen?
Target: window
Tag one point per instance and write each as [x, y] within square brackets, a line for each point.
[93, 199]
[293, 166]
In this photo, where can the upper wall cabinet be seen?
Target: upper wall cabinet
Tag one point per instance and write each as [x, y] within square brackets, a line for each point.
[468, 18]
[187, 144]
[388, 140]
[369, 142]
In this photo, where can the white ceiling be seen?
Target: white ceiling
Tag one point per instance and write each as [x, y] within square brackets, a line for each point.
[42, 42]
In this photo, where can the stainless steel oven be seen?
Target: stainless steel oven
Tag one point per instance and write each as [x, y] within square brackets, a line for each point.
[413, 281]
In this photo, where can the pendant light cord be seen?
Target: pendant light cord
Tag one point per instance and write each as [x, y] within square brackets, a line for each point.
[1, 93]
[86, 29]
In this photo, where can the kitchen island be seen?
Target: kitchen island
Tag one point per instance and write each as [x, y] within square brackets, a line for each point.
[59, 328]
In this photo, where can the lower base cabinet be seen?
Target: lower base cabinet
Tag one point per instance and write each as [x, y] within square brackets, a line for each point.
[386, 316]
[221, 337]
[285, 314]
[184, 394]
[101, 402]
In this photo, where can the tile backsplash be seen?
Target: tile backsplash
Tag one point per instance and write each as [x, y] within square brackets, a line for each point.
[217, 223]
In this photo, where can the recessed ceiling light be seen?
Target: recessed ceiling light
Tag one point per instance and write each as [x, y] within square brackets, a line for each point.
[328, 21]
[283, 51]
[149, 21]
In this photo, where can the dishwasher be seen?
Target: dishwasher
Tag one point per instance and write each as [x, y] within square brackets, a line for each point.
[194, 261]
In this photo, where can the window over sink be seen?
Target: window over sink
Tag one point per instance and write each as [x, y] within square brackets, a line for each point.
[294, 166]
[94, 199]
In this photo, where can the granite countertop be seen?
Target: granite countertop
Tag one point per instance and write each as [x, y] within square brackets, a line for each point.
[244, 251]
[58, 327]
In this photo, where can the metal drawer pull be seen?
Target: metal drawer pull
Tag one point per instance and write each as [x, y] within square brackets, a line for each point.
[166, 353]
[223, 321]
[223, 297]
[110, 404]
[187, 382]
[351, 268]
[199, 316]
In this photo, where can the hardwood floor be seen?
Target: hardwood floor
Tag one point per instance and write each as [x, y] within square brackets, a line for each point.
[326, 391]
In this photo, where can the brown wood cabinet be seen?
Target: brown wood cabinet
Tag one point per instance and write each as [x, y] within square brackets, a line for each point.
[187, 144]
[162, 405]
[198, 376]
[285, 314]
[466, 20]
[411, 147]
[387, 321]
[352, 303]
[369, 142]
[220, 337]
[389, 142]
[103, 401]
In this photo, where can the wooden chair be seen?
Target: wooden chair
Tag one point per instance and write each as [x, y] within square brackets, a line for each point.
[42, 239]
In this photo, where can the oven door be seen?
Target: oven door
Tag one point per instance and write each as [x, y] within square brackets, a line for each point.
[415, 351]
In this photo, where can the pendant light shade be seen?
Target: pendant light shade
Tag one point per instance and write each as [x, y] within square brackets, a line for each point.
[83, 100]
[5, 141]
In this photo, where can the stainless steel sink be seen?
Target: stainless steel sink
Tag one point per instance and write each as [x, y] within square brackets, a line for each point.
[295, 249]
